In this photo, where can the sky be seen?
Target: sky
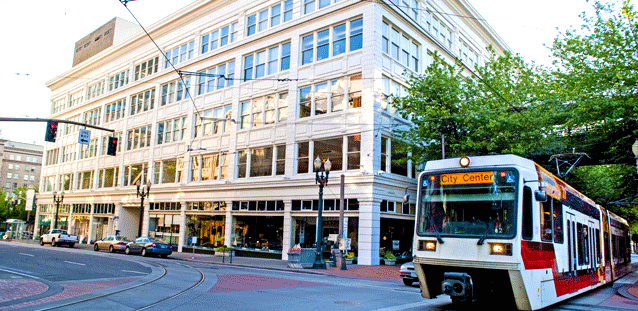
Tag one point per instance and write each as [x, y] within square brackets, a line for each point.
[39, 39]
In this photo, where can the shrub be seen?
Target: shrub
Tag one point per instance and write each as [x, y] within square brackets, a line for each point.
[389, 256]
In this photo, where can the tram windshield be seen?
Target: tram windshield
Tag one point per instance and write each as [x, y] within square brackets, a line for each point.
[474, 204]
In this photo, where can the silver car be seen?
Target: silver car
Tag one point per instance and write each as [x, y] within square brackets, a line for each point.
[407, 273]
[112, 243]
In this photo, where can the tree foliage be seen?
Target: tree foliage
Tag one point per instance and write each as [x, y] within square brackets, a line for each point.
[586, 101]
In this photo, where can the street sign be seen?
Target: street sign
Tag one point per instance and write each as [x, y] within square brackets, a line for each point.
[344, 244]
[84, 136]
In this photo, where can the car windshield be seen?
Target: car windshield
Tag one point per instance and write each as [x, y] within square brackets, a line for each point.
[472, 204]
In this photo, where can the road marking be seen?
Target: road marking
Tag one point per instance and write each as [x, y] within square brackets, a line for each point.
[75, 263]
[26, 254]
[131, 271]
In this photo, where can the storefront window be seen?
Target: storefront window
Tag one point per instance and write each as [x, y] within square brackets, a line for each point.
[164, 226]
[209, 230]
[258, 232]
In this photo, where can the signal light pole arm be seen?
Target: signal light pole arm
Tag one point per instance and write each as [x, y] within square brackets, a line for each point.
[56, 120]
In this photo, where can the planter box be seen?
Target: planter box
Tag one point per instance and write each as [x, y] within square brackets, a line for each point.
[293, 260]
[389, 262]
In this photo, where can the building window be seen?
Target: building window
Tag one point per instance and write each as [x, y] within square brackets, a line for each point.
[327, 97]
[93, 117]
[400, 47]
[95, 90]
[146, 68]
[76, 99]
[171, 130]
[264, 110]
[320, 42]
[213, 121]
[219, 37]
[139, 138]
[264, 161]
[118, 80]
[90, 150]
[209, 167]
[108, 177]
[85, 180]
[175, 91]
[142, 101]
[216, 78]
[438, 29]
[180, 54]
[169, 171]
[269, 17]
[266, 62]
[115, 111]
[133, 173]
[395, 158]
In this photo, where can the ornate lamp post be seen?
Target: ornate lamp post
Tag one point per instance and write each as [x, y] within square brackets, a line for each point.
[142, 192]
[634, 148]
[320, 167]
[57, 199]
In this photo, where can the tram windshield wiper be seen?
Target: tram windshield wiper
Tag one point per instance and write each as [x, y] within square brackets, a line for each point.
[489, 228]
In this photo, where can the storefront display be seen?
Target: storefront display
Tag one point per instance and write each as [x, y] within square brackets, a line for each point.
[207, 229]
[164, 226]
[263, 233]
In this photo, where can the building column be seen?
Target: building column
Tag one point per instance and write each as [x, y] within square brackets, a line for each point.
[369, 232]
[117, 217]
[289, 230]
[36, 222]
[182, 226]
[91, 219]
[146, 218]
[229, 224]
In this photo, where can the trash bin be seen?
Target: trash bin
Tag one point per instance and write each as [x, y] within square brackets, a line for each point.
[307, 257]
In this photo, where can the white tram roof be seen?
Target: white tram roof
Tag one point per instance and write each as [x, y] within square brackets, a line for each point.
[479, 161]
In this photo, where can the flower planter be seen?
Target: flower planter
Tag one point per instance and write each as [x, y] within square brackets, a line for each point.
[389, 262]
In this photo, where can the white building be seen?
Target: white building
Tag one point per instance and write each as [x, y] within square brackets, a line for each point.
[226, 120]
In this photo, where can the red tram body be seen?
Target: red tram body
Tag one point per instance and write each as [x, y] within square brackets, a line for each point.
[502, 226]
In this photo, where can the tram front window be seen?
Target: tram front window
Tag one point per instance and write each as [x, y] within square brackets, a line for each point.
[471, 204]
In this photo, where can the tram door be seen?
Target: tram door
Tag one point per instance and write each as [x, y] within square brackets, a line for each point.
[572, 243]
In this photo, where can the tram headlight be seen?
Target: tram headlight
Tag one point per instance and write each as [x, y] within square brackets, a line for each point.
[427, 245]
[464, 161]
[501, 249]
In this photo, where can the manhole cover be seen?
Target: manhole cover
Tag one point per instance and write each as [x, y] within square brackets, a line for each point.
[348, 303]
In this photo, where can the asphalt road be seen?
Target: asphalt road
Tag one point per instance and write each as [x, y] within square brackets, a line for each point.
[33, 277]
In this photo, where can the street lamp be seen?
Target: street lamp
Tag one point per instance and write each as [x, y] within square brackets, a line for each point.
[320, 167]
[634, 148]
[142, 192]
[57, 199]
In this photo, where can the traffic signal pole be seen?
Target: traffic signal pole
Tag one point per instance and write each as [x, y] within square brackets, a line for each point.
[55, 120]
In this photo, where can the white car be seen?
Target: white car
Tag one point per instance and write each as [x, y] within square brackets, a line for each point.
[407, 273]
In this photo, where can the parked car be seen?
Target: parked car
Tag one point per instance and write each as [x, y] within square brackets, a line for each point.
[112, 242]
[407, 273]
[58, 237]
[147, 246]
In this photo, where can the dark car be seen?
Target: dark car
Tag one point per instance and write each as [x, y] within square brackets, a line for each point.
[407, 273]
[149, 247]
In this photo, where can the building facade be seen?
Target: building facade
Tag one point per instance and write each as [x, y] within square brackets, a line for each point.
[20, 165]
[226, 121]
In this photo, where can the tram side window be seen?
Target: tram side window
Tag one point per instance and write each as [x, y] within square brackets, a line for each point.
[546, 221]
[581, 245]
[597, 238]
[528, 221]
[557, 208]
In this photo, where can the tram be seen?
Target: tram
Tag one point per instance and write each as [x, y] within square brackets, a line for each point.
[504, 230]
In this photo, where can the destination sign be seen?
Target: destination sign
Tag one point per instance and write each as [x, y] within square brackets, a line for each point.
[467, 178]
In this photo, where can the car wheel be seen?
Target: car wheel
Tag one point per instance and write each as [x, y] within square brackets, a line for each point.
[407, 282]
[164, 256]
[96, 247]
[71, 245]
[127, 251]
[144, 254]
[53, 243]
[41, 242]
[111, 249]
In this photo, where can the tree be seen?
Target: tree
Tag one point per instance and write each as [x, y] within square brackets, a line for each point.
[496, 110]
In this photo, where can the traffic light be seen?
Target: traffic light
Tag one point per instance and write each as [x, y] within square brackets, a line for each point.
[52, 130]
[112, 147]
